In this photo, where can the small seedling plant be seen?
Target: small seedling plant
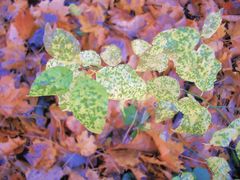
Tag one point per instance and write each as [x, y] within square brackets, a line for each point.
[87, 96]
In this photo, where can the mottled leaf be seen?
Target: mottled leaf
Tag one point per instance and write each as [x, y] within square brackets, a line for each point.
[89, 102]
[111, 55]
[152, 60]
[211, 24]
[223, 137]
[200, 67]
[238, 150]
[164, 88]
[74, 67]
[196, 118]
[175, 41]
[139, 46]
[235, 125]
[89, 58]
[53, 81]
[207, 69]
[165, 110]
[219, 167]
[121, 82]
[60, 44]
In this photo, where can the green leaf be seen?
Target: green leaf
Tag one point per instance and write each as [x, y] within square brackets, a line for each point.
[139, 46]
[89, 103]
[111, 55]
[164, 111]
[89, 58]
[238, 150]
[74, 67]
[185, 176]
[152, 60]
[211, 24]
[175, 41]
[164, 88]
[129, 114]
[223, 137]
[74, 10]
[207, 69]
[219, 167]
[200, 67]
[60, 44]
[121, 82]
[54, 81]
[196, 118]
[235, 125]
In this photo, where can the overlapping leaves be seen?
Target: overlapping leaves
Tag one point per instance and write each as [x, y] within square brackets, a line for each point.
[53, 81]
[88, 101]
[196, 118]
[121, 82]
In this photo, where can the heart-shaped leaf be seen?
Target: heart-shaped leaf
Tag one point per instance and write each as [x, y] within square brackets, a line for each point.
[219, 167]
[164, 88]
[223, 137]
[139, 46]
[60, 44]
[211, 24]
[89, 103]
[121, 82]
[74, 67]
[196, 118]
[175, 41]
[200, 67]
[111, 55]
[54, 81]
[152, 60]
[89, 58]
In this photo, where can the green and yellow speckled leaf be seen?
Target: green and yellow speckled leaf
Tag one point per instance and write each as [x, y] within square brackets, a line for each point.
[200, 67]
[89, 103]
[139, 46]
[60, 44]
[89, 58]
[211, 24]
[235, 125]
[53, 81]
[164, 88]
[223, 137]
[111, 55]
[164, 111]
[185, 176]
[207, 69]
[152, 60]
[196, 118]
[238, 150]
[175, 41]
[74, 67]
[219, 167]
[121, 82]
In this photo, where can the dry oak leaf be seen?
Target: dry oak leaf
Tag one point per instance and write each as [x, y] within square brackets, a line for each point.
[10, 145]
[41, 154]
[84, 144]
[12, 100]
[24, 22]
[55, 7]
[169, 151]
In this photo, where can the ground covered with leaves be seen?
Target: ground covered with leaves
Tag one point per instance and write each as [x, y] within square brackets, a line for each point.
[38, 140]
